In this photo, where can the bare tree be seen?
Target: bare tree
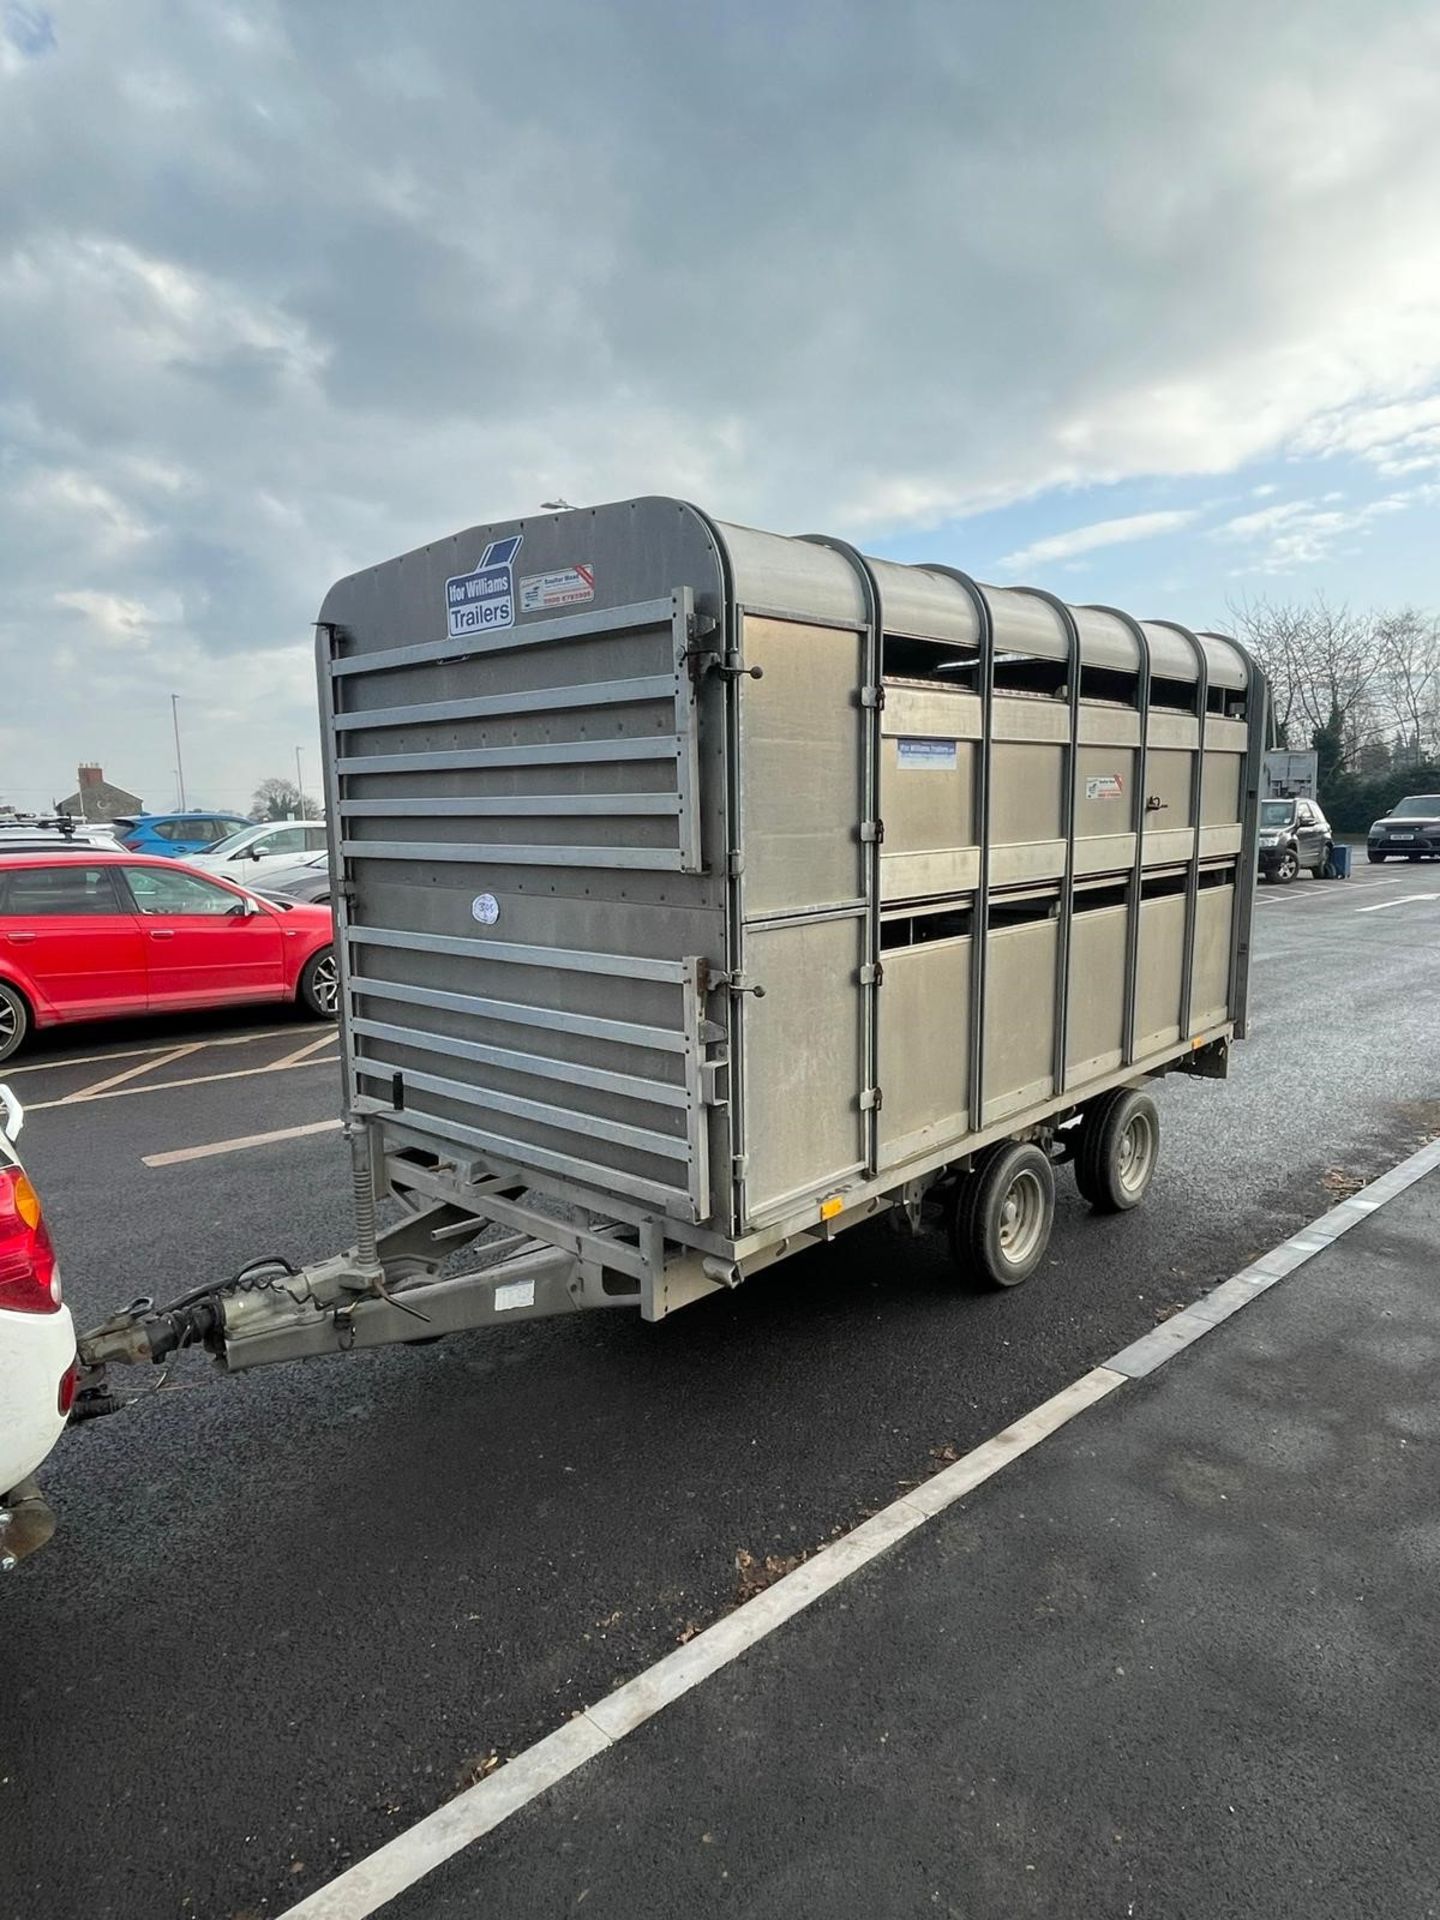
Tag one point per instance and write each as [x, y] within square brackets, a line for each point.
[1409, 693]
[278, 799]
[1324, 664]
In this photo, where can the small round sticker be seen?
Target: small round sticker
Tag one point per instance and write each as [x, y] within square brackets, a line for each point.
[486, 909]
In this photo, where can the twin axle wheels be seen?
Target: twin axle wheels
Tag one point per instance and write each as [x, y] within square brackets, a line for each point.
[1004, 1207]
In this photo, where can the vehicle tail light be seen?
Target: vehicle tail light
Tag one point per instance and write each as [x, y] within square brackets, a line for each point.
[29, 1276]
[65, 1399]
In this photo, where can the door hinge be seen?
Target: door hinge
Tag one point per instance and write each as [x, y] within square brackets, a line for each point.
[699, 658]
[734, 864]
[872, 974]
[872, 696]
[872, 832]
[739, 1165]
[871, 1100]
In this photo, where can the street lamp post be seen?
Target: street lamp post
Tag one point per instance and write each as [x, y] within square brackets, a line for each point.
[179, 763]
[299, 785]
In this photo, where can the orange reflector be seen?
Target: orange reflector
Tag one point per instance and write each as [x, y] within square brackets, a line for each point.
[27, 1201]
[829, 1208]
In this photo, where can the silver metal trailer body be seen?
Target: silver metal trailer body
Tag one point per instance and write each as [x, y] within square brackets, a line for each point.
[702, 891]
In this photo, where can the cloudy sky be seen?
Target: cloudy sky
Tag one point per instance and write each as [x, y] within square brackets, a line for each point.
[1139, 302]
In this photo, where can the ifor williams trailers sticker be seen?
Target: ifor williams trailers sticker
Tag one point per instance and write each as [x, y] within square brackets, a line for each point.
[476, 602]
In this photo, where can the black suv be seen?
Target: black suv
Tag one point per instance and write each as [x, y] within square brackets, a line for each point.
[1293, 834]
[1411, 830]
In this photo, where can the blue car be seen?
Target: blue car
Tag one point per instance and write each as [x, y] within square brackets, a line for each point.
[177, 834]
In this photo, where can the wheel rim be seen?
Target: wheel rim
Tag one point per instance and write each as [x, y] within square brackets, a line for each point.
[1022, 1218]
[325, 983]
[1137, 1154]
[1289, 867]
[9, 1026]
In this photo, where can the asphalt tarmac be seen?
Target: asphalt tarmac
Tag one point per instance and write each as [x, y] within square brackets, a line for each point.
[287, 1614]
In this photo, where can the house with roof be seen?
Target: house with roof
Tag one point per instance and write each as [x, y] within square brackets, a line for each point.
[97, 799]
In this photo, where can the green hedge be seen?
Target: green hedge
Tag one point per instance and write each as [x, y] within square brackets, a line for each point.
[1352, 801]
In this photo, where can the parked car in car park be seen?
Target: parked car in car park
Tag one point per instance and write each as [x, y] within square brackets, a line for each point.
[44, 836]
[1410, 831]
[307, 879]
[93, 936]
[254, 850]
[177, 835]
[37, 1350]
[1294, 836]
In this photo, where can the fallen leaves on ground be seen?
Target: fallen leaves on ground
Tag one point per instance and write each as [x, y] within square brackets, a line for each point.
[753, 1576]
[476, 1770]
[1342, 1184]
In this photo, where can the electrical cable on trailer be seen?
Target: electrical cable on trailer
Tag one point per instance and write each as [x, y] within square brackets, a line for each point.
[144, 1331]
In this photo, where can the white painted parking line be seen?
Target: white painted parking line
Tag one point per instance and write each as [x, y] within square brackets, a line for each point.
[136, 1053]
[178, 1154]
[367, 1886]
[388, 1872]
[130, 1073]
[195, 1080]
[1340, 893]
[304, 1053]
[1403, 900]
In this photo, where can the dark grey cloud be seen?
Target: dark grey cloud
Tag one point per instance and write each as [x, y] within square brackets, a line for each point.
[284, 288]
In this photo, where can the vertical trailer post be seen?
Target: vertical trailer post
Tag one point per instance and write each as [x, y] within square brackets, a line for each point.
[1137, 815]
[872, 829]
[330, 640]
[1257, 720]
[980, 925]
[1067, 827]
[1197, 800]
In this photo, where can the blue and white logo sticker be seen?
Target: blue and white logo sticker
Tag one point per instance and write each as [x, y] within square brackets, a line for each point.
[478, 601]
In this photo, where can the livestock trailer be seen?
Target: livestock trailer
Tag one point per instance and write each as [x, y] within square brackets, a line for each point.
[701, 892]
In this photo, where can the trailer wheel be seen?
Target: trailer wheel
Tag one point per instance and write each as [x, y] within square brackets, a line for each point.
[1118, 1147]
[1003, 1212]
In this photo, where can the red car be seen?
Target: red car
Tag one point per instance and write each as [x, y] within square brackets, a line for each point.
[90, 935]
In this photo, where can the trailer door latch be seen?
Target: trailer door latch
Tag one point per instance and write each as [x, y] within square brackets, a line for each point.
[733, 667]
[741, 983]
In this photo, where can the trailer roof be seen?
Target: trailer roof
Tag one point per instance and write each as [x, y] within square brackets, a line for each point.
[819, 579]
[805, 578]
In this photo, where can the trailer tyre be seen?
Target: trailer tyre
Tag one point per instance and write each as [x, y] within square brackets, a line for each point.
[1118, 1147]
[1004, 1210]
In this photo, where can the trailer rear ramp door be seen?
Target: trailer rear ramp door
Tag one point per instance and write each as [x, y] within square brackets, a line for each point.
[524, 914]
